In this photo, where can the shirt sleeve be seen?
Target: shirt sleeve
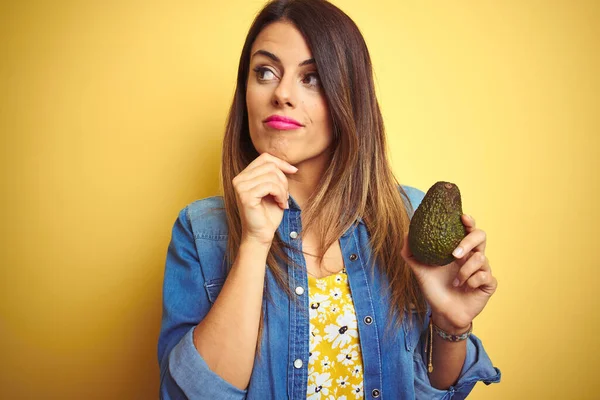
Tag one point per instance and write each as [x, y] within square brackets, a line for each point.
[183, 372]
[477, 367]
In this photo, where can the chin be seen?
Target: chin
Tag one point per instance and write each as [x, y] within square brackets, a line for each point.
[281, 154]
[279, 149]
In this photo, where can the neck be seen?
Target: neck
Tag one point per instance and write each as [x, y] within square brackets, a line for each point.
[303, 183]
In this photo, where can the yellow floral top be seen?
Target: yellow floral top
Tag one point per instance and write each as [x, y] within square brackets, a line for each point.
[335, 362]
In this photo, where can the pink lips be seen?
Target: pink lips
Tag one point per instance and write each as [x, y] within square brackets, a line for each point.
[282, 123]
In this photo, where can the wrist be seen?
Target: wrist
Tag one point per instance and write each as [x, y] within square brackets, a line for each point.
[252, 250]
[251, 255]
[250, 242]
[446, 325]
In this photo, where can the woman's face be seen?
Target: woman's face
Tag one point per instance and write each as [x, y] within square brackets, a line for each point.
[288, 116]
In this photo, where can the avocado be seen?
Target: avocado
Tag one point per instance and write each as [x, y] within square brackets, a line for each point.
[436, 228]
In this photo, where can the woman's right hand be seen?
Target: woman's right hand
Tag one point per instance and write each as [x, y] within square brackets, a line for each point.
[261, 191]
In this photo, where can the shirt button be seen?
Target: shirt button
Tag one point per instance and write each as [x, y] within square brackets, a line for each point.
[299, 292]
[293, 234]
[353, 257]
[375, 393]
[368, 320]
[298, 364]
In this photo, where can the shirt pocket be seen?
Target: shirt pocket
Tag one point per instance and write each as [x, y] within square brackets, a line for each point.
[213, 288]
[412, 331]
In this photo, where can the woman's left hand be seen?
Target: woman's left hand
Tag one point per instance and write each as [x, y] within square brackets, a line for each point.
[457, 292]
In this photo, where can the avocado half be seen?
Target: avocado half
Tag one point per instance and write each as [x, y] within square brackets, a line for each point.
[436, 228]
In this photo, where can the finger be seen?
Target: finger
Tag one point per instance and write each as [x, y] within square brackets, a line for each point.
[483, 280]
[270, 188]
[266, 157]
[408, 256]
[264, 169]
[475, 241]
[269, 176]
[468, 222]
[248, 187]
[405, 250]
[266, 191]
[476, 262]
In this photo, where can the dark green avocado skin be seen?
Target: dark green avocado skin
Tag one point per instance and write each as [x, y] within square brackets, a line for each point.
[436, 228]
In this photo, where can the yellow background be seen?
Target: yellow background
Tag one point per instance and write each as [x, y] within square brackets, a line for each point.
[111, 119]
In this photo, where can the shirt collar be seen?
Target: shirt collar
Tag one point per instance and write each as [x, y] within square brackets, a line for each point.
[293, 205]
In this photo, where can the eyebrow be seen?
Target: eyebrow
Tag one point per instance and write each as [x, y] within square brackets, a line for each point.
[276, 59]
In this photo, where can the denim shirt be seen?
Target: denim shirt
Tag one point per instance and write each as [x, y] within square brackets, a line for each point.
[393, 359]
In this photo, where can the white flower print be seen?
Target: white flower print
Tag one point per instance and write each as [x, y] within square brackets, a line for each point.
[314, 356]
[358, 394]
[323, 316]
[335, 294]
[335, 369]
[326, 363]
[318, 304]
[316, 338]
[343, 331]
[343, 382]
[348, 355]
[357, 370]
[320, 386]
[348, 308]
[321, 284]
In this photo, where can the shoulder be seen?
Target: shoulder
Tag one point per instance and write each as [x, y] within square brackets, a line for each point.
[207, 218]
[414, 196]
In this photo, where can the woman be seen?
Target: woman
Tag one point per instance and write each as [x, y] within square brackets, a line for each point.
[296, 283]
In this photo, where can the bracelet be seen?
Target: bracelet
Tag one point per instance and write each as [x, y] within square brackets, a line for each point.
[452, 338]
[444, 335]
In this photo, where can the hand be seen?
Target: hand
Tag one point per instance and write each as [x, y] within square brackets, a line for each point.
[261, 191]
[457, 292]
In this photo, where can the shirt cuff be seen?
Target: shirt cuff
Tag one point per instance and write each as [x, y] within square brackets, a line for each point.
[477, 367]
[193, 376]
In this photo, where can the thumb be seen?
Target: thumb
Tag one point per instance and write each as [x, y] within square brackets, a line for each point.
[408, 256]
[405, 252]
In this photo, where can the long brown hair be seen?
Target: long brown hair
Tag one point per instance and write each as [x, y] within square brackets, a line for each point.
[359, 175]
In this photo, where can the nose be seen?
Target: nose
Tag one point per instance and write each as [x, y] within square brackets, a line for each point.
[284, 94]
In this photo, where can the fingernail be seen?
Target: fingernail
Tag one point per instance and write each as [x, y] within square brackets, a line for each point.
[288, 195]
[456, 282]
[457, 252]
[295, 168]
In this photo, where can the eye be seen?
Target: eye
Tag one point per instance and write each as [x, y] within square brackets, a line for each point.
[264, 74]
[311, 79]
